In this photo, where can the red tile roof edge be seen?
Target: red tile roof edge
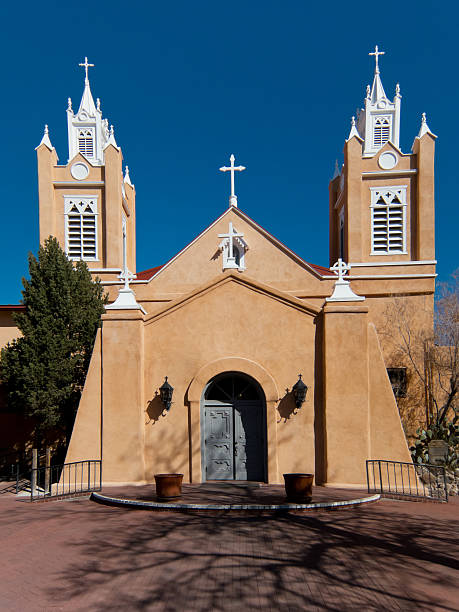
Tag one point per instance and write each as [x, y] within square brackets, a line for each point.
[147, 274]
[12, 307]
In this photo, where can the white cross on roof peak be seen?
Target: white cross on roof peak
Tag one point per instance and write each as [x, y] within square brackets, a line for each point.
[232, 168]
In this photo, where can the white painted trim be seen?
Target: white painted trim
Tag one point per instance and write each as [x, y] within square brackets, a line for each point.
[379, 276]
[105, 270]
[119, 282]
[383, 173]
[79, 183]
[393, 263]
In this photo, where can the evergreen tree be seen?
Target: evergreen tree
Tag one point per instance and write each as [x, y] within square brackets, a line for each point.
[44, 370]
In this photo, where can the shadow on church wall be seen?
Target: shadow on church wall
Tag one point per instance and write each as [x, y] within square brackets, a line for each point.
[216, 255]
[320, 447]
[286, 407]
[155, 409]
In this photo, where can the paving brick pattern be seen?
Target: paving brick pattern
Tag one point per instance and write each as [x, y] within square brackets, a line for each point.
[78, 555]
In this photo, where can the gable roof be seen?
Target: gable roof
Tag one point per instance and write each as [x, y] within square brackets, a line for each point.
[233, 277]
[318, 271]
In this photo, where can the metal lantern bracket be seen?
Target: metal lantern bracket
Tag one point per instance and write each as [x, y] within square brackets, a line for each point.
[299, 391]
[166, 391]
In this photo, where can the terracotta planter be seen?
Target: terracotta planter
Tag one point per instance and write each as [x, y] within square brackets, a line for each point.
[168, 486]
[298, 487]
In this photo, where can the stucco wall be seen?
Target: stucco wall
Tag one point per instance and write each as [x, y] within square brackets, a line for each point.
[275, 335]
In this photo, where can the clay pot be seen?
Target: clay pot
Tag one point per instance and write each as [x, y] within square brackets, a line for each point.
[298, 487]
[168, 486]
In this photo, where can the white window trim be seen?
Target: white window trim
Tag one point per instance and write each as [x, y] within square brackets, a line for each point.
[69, 201]
[403, 204]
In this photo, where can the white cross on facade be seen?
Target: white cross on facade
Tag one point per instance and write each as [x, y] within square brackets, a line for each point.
[340, 268]
[377, 53]
[86, 66]
[231, 260]
[232, 168]
[126, 275]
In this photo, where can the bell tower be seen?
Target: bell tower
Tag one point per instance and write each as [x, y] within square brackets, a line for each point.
[88, 133]
[87, 202]
[381, 199]
[379, 121]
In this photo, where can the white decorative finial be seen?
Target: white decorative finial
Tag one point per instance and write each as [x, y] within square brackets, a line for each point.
[47, 131]
[424, 127]
[126, 297]
[69, 104]
[98, 104]
[340, 268]
[342, 291]
[86, 66]
[111, 138]
[354, 131]
[232, 168]
[377, 53]
[127, 178]
[397, 90]
[126, 275]
[368, 91]
[45, 139]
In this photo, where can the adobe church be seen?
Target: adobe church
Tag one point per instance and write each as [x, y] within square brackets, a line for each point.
[196, 366]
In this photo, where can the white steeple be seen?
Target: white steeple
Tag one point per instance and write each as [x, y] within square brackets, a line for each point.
[88, 133]
[379, 121]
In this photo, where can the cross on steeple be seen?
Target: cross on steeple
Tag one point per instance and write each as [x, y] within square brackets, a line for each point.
[377, 53]
[232, 168]
[86, 66]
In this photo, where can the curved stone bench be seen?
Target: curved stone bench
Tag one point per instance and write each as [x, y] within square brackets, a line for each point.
[152, 505]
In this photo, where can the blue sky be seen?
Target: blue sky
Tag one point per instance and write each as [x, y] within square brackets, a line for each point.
[187, 83]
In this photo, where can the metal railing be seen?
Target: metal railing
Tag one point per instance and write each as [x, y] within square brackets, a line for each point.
[14, 471]
[395, 478]
[66, 479]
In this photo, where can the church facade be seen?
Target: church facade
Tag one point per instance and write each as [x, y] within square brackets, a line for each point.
[196, 366]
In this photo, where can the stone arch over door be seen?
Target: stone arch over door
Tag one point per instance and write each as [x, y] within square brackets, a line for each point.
[195, 390]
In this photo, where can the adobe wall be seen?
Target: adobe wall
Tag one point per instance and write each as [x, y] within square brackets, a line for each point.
[269, 339]
[8, 329]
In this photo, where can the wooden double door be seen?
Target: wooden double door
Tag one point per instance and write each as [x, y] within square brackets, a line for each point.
[234, 429]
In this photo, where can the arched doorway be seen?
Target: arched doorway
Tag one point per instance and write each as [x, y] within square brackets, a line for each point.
[233, 425]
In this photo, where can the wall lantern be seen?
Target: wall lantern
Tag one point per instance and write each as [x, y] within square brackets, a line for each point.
[299, 391]
[166, 392]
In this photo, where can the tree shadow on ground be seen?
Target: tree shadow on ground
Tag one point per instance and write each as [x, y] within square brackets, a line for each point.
[363, 559]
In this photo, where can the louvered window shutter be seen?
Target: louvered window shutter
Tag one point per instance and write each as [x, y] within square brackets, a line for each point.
[81, 228]
[388, 225]
[86, 142]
